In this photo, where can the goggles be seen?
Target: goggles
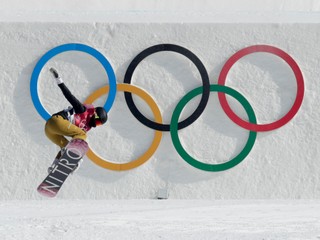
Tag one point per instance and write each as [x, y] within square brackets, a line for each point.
[97, 120]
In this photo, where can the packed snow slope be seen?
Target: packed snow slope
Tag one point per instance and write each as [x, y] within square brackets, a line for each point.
[153, 219]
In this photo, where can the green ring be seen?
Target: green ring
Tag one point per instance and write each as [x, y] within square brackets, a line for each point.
[204, 166]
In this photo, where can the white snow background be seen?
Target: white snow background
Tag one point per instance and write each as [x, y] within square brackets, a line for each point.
[273, 194]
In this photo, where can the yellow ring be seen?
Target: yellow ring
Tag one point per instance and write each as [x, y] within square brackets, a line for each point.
[157, 136]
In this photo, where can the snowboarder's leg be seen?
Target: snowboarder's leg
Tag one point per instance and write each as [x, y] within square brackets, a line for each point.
[57, 127]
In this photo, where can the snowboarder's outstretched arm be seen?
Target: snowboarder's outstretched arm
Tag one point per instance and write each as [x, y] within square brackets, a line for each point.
[76, 104]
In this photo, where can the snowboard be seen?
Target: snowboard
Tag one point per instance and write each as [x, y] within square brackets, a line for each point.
[68, 161]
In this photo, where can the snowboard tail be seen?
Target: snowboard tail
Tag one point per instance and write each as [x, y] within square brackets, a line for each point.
[73, 153]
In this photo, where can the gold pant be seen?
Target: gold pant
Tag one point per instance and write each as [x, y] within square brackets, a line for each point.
[57, 128]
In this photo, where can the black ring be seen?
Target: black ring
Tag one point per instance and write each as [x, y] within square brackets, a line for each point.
[204, 76]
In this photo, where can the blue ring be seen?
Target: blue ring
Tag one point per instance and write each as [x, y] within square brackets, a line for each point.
[71, 47]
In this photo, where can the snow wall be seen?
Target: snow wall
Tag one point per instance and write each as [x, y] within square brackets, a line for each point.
[282, 163]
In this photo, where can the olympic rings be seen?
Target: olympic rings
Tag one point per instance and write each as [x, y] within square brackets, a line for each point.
[212, 167]
[175, 125]
[157, 136]
[300, 88]
[63, 48]
[205, 81]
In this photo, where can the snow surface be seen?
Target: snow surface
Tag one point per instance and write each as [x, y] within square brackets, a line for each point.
[158, 219]
[297, 11]
[282, 164]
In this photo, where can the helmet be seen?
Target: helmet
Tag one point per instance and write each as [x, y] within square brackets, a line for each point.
[102, 114]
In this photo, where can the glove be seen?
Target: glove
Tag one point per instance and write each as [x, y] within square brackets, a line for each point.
[56, 76]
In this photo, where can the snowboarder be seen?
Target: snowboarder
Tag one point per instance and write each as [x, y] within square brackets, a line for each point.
[72, 122]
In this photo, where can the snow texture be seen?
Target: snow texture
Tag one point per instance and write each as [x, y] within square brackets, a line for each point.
[154, 219]
[272, 194]
[283, 163]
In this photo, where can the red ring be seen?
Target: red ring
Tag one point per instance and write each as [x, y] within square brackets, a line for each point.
[300, 88]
